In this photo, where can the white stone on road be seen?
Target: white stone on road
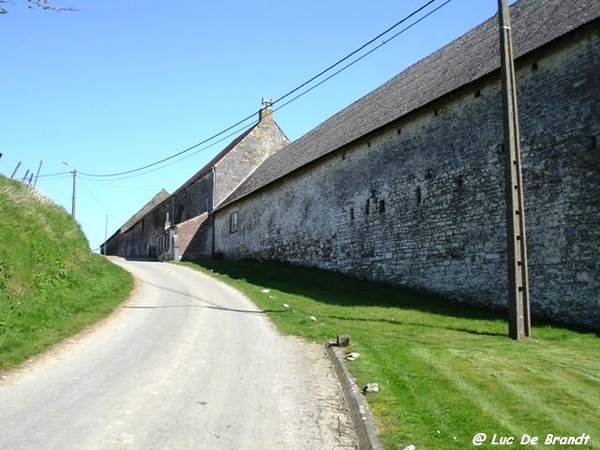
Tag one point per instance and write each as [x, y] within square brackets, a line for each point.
[187, 363]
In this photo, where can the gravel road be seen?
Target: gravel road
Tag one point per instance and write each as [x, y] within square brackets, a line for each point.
[187, 363]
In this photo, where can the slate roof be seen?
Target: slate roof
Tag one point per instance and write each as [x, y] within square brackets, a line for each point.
[534, 24]
[153, 203]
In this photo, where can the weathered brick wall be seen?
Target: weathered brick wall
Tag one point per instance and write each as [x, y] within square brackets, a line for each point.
[421, 203]
[195, 238]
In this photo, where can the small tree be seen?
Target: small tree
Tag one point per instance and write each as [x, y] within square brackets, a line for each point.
[42, 4]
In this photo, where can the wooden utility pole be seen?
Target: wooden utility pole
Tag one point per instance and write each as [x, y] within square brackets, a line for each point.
[519, 322]
[38, 173]
[105, 234]
[15, 171]
[73, 199]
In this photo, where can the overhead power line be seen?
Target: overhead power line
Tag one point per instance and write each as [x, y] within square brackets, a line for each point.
[351, 54]
[99, 202]
[361, 57]
[55, 175]
[123, 174]
[150, 169]
[126, 172]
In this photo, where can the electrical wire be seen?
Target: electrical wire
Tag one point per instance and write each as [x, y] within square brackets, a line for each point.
[294, 90]
[56, 175]
[138, 174]
[362, 56]
[349, 55]
[126, 172]
[99, 202]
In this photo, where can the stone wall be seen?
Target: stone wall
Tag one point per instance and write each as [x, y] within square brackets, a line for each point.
[193, 199]
[264, 140]
[421, 202]
[188, 207]
[140, 241]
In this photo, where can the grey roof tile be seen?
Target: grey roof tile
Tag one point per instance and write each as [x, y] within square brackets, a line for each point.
[470, 57]
[153, 203]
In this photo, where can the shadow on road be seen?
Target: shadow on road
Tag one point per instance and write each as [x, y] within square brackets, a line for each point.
[207, 304]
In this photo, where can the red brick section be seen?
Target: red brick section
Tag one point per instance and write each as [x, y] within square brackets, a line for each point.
[195, 240]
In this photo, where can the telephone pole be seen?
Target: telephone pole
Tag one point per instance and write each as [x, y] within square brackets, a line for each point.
[105, 234]
[38, 173]
[15, 171]
[519, 322]
[73, 198]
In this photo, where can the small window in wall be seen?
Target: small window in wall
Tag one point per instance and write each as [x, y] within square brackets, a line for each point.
[233, 222]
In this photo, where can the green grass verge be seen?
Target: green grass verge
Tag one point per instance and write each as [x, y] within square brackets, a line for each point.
[51, 285]
[446, 371]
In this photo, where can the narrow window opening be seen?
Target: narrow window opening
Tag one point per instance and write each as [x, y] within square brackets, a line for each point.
[351, 213]
[418, 192]
[534, 66]
[399, 131]
[233, 222]
[367, 205]
[381, 206]
[477, 93]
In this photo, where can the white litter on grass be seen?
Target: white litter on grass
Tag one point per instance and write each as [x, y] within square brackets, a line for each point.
[410, 447]
[285, 305]
[352, 356]
[313, 318]
[371, 387]
[266, 291]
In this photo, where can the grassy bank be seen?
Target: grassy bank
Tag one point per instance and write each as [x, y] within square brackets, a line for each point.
[446, 372]
[51, 285]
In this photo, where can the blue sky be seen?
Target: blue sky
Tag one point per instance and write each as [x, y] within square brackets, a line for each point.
[118, 85]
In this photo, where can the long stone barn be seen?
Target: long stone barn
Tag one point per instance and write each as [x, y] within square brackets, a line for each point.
[177, 226]
[406, 185]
